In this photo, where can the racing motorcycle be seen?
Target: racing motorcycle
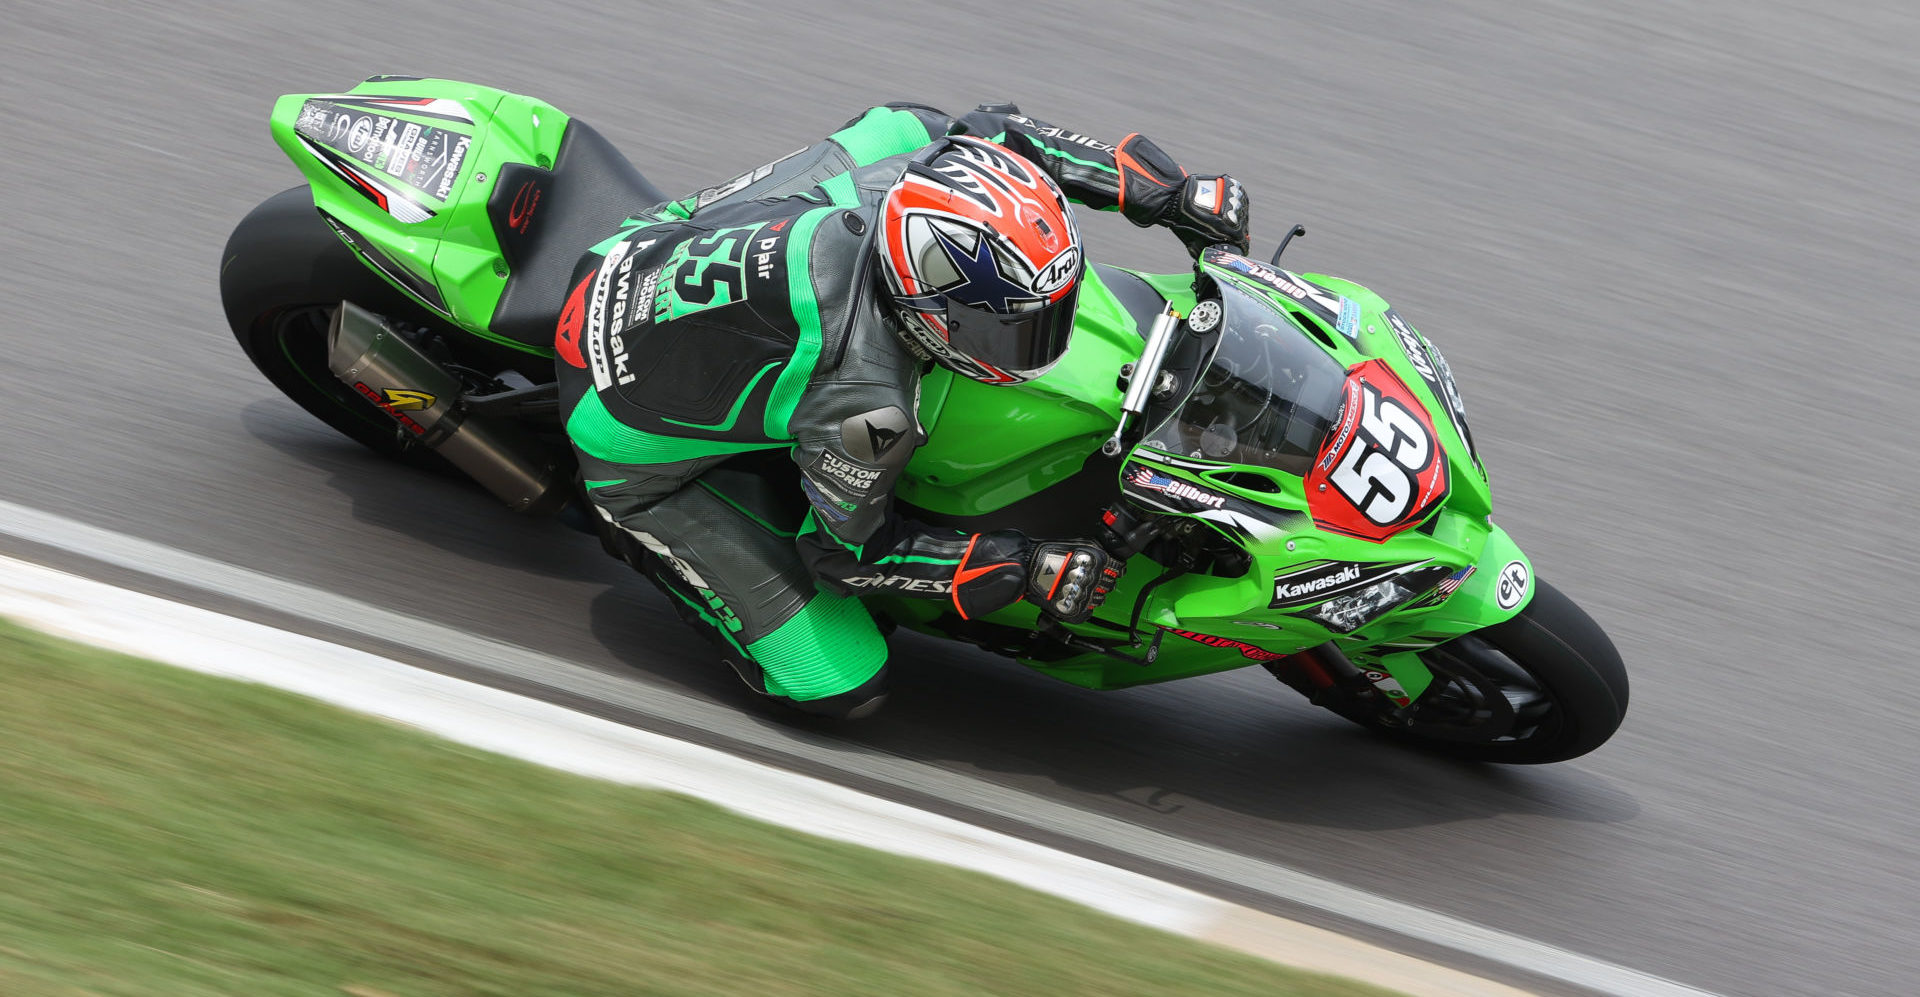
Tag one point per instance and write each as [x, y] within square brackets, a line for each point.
[1283, 458]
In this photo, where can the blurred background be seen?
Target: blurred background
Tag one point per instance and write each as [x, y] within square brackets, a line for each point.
[1667, 249]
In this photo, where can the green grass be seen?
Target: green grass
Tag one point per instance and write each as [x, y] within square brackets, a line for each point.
[163, 832]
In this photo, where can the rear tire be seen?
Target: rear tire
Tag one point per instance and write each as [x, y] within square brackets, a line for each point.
[1551, 664]
[282, 273]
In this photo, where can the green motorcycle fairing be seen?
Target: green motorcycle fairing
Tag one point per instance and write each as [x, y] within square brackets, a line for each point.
[402, 170]
[1444, 572]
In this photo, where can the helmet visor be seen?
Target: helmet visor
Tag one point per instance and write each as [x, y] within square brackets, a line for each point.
[1023, 343]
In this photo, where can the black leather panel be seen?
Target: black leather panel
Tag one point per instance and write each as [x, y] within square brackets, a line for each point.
[1135, 295]
[546, 220]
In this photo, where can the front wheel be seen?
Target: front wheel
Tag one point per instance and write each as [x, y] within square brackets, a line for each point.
[1544, 686]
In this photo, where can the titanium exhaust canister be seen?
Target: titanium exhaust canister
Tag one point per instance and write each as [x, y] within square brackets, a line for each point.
[425, 400]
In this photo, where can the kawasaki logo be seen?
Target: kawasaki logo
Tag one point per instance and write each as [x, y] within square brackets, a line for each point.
[1323, 581]
[1287, 590]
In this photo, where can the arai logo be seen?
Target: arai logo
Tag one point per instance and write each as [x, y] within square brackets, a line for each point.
[1512, 586]
[1059, 273]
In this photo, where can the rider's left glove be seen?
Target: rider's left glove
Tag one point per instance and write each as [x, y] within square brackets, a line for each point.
[1068, 579]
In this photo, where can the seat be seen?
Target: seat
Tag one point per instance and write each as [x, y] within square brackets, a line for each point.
[546, 220]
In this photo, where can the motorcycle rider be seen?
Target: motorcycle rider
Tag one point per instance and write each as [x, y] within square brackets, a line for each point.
[795, 308]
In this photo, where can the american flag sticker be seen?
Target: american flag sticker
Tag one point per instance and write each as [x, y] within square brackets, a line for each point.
[1453, 582]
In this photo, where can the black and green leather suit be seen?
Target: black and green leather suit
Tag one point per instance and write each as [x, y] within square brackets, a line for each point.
[739, 325]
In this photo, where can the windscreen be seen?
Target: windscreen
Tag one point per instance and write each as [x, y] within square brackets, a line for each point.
[1267, 397]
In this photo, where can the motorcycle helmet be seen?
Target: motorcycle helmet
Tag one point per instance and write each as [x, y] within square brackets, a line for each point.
[981, 260]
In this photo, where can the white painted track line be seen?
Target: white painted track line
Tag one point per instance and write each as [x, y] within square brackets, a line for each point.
[176, 634]
[79, 609]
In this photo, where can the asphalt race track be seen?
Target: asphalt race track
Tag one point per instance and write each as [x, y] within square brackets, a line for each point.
[1667, 248]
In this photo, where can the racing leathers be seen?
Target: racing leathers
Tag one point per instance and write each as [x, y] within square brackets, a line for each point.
[712, 333]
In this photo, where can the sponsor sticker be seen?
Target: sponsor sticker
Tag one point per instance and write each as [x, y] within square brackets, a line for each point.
[1322, 302]
[1383, 469]
[1415, 349]
[1512, 585]
[1141, 478]
[1388, 686]
[596, 334]
[1314, 584]
[1059, 272]
[1349, 320]
[426, 158]
[389, 408]
[1317, 583]
[855, 477]
[1246, 650]
[409, 400]
[823, 503]
[452, 170]
[402, 157]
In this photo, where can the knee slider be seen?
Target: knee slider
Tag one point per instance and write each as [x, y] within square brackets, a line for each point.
[854, 704]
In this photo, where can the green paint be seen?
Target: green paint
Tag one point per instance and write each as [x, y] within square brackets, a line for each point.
[969, 468]
[738, 404]
[606, 483]
[456, 249]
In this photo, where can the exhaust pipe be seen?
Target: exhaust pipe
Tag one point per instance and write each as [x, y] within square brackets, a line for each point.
[425, 399]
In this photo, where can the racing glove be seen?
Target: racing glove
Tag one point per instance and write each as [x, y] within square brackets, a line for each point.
[1069, 579]
[1202, 210]
[1066, 579]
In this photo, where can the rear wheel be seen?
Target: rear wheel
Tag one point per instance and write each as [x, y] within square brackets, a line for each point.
[281, 275]
[1545, 686]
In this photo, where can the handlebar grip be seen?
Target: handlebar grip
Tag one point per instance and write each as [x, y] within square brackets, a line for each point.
[1123, 532]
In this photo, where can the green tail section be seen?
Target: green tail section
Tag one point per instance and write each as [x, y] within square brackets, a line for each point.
[402, 170]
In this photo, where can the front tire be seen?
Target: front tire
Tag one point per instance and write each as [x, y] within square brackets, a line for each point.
[1544, 686]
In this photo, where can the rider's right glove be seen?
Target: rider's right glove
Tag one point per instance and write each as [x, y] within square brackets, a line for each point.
[1067, 579]
[1202, 210]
